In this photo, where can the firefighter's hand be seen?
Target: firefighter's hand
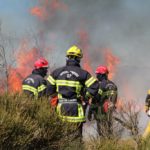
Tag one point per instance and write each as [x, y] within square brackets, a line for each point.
[90, 101]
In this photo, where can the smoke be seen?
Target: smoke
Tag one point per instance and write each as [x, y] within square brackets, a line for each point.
[119, 25]
[122, 26]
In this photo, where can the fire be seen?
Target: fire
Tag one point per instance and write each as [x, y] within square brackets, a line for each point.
[39, 12]
[111, 62]
[126, 105]
[84, 44]
[48, 9]
[25, 59]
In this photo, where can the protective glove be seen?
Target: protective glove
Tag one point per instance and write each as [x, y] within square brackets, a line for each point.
[108, 105]
[54, 101]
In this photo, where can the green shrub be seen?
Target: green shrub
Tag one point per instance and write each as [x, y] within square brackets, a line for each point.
[109, 144]
[31, 124]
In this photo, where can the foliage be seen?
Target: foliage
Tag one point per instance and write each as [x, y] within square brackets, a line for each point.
[31, 124]
[27, 124]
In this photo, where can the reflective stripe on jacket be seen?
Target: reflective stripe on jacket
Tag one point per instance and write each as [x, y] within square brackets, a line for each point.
[70, 81]
[79, 118]
[34, 85]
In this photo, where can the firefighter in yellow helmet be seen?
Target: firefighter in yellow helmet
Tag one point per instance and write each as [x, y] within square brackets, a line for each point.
[69, 82]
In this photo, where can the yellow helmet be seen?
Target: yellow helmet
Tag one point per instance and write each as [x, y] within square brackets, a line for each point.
[74, 51]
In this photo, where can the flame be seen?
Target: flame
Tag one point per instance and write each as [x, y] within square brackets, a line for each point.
[84, 44]
[39, 12]
[48, 9]
[111, 62]
[125, 105]
[25, 59]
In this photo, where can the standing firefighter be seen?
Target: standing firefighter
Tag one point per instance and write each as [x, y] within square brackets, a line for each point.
[147, 110]
[147, 103]
[35, 85]
[104, 102]
[69, 82]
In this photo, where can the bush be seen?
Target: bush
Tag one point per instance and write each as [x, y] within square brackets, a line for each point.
[31, 124]
[109, 144]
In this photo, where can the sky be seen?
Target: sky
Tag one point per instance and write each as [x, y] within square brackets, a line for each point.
[121, 25]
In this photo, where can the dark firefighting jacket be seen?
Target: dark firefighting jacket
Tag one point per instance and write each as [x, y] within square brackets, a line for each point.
[34, 85]
[69, 82]
[147, 100]
[107, 92]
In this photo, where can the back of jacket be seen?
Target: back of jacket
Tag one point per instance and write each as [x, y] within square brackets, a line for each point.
[107, 91]
[70, 80]
[34, 85]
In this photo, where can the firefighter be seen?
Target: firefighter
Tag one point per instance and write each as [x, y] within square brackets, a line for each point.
[147, 104]
[70, 82]
[35, 85]
[147, 110]
[103, 104]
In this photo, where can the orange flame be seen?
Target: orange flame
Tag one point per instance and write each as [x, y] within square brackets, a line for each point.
[111, 62]
[47, 9]
[84, 44]
[25, 59]
[39, 12]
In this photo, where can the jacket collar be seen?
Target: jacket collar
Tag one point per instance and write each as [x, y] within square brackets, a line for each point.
[72, 63]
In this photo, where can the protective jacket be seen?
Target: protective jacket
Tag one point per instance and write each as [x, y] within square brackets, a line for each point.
[69, 82]
[34, 85]
[147, 101]
[107, 91]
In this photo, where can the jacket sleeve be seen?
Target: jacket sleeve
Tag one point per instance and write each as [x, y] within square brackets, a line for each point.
[42, 88]
[51, 84]
[112, 92]
[34, 86]
[91, 85]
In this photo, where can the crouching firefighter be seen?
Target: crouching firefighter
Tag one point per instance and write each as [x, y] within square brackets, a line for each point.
[103, 104]
[69, 82]
[35, 85]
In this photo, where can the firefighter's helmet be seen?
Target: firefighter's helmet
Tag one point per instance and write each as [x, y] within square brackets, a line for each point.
[74, 51]
[41, 63]
[101, 70]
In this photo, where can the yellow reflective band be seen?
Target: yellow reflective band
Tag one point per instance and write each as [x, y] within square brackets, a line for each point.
[108, 93]
[80, 110]
[59, 96]
[41, 88]
[80, 118]
[100, 92]
[31, 89]
[90, 81]
[51, 80]
[75, 84]
[68, 83]
[148, 92]
[73, 119]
